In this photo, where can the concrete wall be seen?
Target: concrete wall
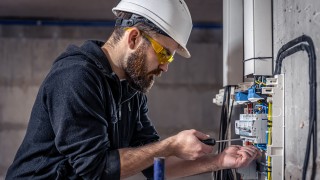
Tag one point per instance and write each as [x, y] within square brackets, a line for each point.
[293, 18]
[181, 99]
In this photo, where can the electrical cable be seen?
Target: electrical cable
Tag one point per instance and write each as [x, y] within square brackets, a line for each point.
[305, 43]
[225, 119]
[258, 58]
[269, 138]
[312, 119]
[218, 174]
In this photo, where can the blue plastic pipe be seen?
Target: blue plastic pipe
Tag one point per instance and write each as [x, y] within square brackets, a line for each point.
[87, 23]
[159, 170]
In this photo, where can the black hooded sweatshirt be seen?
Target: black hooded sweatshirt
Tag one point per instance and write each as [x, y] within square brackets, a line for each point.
[81, 116]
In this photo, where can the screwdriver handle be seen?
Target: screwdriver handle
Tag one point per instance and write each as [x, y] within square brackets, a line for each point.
[210, 142]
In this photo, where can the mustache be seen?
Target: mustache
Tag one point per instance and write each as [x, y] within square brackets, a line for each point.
[156, 72]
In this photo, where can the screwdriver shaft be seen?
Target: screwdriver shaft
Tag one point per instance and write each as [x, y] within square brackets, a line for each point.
[212, 142]
[228, 140]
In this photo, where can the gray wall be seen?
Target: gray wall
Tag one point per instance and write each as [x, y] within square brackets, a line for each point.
[181, 99]
[292, 19]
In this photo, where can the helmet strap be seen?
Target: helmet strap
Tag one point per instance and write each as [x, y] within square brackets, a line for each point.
[134, 19]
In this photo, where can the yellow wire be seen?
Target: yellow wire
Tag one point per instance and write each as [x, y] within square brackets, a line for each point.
[260, 82]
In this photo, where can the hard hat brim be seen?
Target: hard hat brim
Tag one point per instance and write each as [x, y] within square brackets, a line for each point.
[183, 51]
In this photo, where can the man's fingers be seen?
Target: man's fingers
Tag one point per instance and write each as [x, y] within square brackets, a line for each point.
[250, 151]
[234, 148]
[207, 149]
[201, 135]
[259, 154]
[246, 153]
[256, 150]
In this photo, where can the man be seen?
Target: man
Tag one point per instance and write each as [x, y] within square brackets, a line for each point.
[89, 120]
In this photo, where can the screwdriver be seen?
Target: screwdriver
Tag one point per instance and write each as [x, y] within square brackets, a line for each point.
[212, 141]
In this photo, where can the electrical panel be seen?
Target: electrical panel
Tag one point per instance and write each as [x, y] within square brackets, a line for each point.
[261, 123]
[260, 99]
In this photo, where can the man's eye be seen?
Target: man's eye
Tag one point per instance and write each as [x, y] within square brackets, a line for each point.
[164, 53]
[163, 56]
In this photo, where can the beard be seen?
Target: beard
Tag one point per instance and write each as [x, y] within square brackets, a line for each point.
[137, 70]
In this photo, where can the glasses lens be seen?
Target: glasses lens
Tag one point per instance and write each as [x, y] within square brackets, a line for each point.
[162, 53]
[164, 57]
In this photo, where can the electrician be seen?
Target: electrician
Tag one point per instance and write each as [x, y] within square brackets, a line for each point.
[89, 120]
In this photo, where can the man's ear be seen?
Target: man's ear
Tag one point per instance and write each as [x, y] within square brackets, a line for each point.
[134, 38]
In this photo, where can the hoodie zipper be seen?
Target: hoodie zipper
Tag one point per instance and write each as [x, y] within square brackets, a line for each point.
[129, 106]
[119, 112]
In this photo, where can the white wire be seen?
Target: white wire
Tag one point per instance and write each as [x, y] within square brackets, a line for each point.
[212, 176]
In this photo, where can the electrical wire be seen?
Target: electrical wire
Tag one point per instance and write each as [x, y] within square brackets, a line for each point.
[258, 58]
[269, 177]
[221, 146]
[305, 43]
[225, 120]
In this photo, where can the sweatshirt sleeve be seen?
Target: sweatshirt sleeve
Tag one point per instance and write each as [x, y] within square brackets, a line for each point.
[75, 102]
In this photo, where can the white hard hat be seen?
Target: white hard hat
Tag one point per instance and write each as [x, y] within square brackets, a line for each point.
[171, 16]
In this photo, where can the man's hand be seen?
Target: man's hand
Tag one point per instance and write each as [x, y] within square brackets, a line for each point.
[187, 145]
[238, 156]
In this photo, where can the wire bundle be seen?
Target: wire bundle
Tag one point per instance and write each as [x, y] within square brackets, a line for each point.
[305, 43]
[269, 137]
[225, 121]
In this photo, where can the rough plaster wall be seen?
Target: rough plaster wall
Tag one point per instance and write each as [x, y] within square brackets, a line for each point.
[293, 18]
[181, 99]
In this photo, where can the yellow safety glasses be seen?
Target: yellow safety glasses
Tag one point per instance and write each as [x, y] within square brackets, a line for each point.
[163, 55]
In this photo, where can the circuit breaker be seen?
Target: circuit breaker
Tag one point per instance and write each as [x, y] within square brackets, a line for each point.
[252, 126]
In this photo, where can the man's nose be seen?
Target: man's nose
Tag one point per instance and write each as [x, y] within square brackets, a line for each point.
[164, 67]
